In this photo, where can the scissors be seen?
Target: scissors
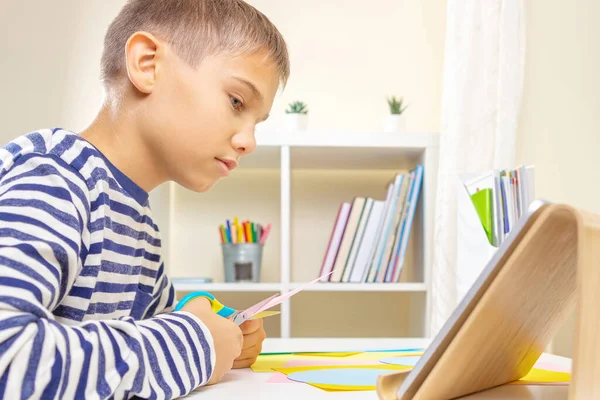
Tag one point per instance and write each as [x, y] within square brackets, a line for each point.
[238, 316]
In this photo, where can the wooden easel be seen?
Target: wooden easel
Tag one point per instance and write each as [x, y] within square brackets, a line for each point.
[495, 336]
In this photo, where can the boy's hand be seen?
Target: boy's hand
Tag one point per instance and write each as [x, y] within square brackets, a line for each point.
[227, 336]
[254, 335]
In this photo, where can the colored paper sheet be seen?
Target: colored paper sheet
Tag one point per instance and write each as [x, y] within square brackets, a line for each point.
[376, 356]
[280, 299]
[265, 314]
[415, 350]
[278, 377]
[407, 361]
[550, 366]
[333, 354]
[330, 362]
[541, 376]
[269, 362]
[482, 200]
[354, 378]
[344, 377]
[272, 301]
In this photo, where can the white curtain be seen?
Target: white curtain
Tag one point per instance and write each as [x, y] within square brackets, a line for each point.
[482, 85]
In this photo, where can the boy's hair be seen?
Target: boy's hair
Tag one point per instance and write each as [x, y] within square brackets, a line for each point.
[196, 29]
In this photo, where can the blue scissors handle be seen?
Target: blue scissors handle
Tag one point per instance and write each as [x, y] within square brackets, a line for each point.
[217, 307]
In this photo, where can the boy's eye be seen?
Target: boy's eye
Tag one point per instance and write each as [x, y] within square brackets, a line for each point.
[235, 103]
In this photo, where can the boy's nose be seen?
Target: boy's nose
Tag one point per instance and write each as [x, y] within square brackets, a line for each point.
[244, 142]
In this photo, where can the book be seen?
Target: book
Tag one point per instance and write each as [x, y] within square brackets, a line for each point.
[377, 261]
[335, 238]
[359, 270]
[357, 240]
[370, 273]
[412, 202]
[392, 239]
[344, 251]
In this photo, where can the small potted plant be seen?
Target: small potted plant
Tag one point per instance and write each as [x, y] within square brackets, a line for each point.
[297, 116]
[395, 121]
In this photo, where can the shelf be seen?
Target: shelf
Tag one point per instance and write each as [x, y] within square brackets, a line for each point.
[316, 138]
[363, 287]
[181, 285]
[339, 150]
[354, 158]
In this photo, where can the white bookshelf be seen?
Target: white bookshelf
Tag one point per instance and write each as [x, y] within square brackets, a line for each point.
[296, 181]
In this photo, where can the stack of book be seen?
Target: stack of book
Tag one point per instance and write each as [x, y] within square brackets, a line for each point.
[369, 239]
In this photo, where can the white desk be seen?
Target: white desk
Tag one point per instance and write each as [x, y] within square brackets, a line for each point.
[240, 384]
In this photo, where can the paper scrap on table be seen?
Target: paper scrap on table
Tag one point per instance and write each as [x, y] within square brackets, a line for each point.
[332, 354]
[320, 376]
[353, 379]
[269, 362]
[272, 301]
[541, 377]
[330, 362]
[407, 361]
[278, 377]
[364, 377]
[550, 366]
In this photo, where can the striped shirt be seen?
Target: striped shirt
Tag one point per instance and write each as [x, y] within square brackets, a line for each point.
[85, 304]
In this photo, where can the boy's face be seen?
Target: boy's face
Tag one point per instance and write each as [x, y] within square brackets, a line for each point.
[198, 122]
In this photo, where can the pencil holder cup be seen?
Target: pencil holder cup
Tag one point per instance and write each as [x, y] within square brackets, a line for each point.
[242, 261]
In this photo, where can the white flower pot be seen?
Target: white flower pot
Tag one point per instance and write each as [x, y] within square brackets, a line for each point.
[296, 122]
[394, 123]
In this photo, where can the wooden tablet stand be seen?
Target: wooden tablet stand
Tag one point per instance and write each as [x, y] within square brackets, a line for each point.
[509, 317]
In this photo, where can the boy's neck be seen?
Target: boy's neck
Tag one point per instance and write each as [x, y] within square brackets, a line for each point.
[115, 135]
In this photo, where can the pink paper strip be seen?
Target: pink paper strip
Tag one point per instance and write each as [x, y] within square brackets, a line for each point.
[329, 361]
[255, 309]
[283, 297]
[550, 366]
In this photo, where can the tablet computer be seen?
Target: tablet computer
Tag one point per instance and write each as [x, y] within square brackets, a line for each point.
[508, 317]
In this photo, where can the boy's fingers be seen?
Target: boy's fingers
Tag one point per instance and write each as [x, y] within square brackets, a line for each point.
[250, 352]
[253, 339]
[251, 326]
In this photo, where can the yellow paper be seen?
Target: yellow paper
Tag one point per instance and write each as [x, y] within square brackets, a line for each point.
[328, 354]
[291, 370]
[341, 388]
[376, 356]
[265, 314]
[268, 362]
[543, 376]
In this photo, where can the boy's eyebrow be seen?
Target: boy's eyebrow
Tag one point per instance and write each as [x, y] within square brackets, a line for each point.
[252, 87]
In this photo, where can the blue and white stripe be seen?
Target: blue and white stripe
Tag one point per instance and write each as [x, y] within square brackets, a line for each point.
[86, 309]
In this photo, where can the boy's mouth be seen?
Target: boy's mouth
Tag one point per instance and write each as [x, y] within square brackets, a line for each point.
[227, 164]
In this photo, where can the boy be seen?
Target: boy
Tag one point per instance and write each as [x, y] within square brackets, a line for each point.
[86, 310]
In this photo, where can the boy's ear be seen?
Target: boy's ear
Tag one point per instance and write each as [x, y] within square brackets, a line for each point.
[142, 53]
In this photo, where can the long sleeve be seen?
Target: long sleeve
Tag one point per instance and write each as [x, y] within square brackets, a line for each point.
[43, 217]
[164, 299]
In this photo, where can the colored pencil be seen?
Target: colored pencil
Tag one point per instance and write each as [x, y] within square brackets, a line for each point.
[265, 234]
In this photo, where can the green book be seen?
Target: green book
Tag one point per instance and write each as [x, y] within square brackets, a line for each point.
[482, 200]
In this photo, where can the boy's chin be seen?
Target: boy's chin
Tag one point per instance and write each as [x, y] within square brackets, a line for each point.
[199, 186]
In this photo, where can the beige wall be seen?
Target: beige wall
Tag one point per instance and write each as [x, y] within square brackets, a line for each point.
[349, 55]
[559, 128]
[49, 67]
